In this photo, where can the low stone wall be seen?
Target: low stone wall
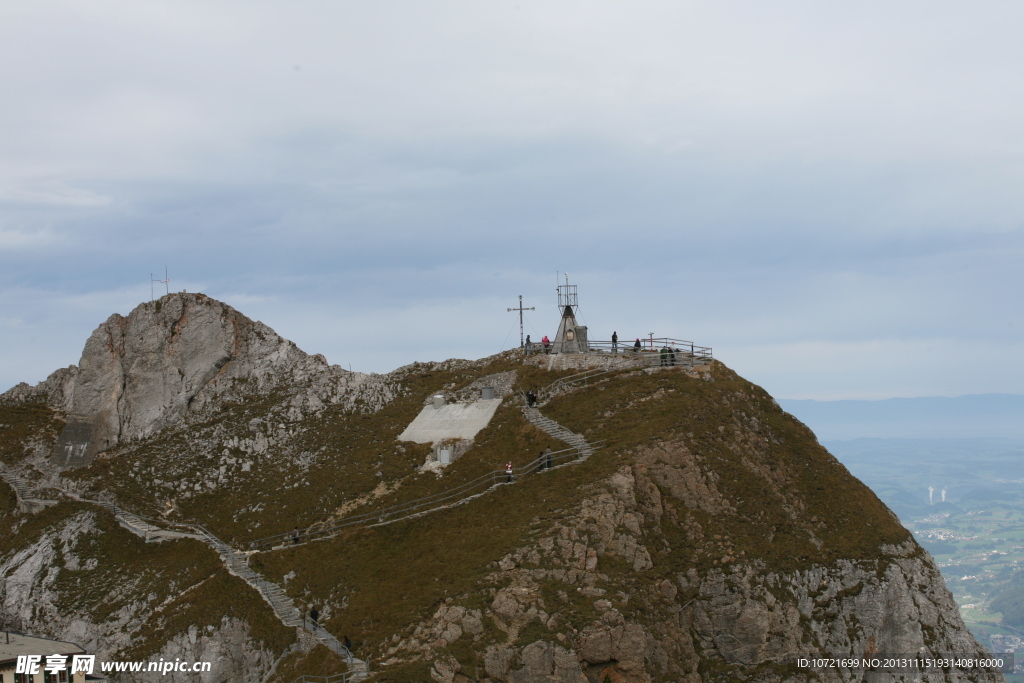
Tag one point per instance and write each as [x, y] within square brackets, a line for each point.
[579, 361]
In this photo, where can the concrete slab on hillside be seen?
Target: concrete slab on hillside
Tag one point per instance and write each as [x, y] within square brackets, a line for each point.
[454, 421]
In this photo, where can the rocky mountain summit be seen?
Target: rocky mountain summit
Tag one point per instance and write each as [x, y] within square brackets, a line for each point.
[174, 358]
[708, 537]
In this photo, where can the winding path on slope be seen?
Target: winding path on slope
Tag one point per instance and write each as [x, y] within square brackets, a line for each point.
[237, 563]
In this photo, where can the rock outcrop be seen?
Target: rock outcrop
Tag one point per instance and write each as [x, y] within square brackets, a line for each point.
[591, 599]
[33, 593]
[740, 620]
[703, 542]
[180, 355]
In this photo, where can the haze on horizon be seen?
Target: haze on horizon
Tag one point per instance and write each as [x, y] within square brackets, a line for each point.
[828, 195]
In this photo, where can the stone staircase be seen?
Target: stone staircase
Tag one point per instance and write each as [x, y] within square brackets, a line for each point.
[16, 483]
[127, 520]
[236, 563]
[151, 532]
[557, 431]
[496, 478]
[28, 500]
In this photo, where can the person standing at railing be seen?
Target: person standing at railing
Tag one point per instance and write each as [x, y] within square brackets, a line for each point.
[529, 345]
[547, 457]
[295, 536]
[508, 473]
[637, 346]
[540, 462]
[615, 341]
[547, 344]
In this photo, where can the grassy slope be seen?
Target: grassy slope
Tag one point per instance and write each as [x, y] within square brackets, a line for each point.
[351, 450]
[395, 575]
[183, 583]
[713, 419]
[25, 424]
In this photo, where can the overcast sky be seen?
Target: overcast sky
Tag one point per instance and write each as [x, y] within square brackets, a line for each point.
[828, 194]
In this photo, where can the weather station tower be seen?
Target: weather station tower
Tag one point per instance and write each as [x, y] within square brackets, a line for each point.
[571, 337]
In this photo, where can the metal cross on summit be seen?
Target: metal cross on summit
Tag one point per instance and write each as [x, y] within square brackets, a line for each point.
[521, 309]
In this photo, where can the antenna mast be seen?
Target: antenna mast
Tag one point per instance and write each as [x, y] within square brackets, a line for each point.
[567, 296]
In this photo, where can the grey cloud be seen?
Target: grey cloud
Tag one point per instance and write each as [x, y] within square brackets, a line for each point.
[767, 180]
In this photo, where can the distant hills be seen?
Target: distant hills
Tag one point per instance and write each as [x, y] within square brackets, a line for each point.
[901, 470]
[973, 416]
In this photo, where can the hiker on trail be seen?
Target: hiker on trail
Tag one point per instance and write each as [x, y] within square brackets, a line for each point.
[529, 345]
[615, 342]
[637, 346]
[540, 461]
[547, 344]
[547, 457]
[295, 536]
[531, 398]
[508, 473]
[313, 616]
[347, 643]
[664, 355]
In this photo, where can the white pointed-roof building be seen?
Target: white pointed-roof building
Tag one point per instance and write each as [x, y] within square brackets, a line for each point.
[571, 336]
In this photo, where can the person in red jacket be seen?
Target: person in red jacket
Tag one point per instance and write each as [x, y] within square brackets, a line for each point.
[508, 473]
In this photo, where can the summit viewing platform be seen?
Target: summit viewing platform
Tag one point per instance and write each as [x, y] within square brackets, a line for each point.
[573, 347]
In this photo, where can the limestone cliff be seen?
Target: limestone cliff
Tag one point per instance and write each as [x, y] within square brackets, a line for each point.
[178, 355]
[710, 537]
[738, 619]
[684, 565]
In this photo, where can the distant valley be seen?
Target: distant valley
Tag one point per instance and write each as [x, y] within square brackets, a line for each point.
[931, 417]
[956, 480]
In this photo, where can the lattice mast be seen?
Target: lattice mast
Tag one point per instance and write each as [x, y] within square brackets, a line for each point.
[571, 337]
[567, 297]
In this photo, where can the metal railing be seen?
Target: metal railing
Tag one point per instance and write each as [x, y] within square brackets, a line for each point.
[336, 678]
[652, 344]
[648, 345]
[157, 524]
[415, 507]
[563, 383]
[24, 490]
[685, 352]
[235, 563]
